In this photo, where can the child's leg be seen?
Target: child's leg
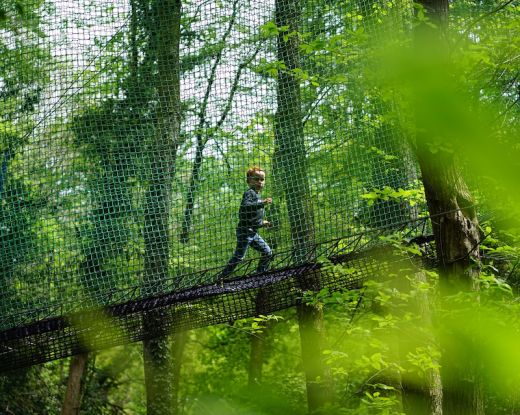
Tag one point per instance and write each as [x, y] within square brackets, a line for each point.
[240, 252]
[267, 255]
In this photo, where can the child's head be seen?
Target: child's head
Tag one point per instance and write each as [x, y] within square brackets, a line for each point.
[256, 178]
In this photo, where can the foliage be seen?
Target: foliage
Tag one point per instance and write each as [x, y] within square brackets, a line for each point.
[32, 391]
[78, 201]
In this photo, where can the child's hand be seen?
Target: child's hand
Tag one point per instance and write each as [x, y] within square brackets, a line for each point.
[267, 224]
[268, 200]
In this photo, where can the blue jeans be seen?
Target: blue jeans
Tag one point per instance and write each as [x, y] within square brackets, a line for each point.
[249, 238]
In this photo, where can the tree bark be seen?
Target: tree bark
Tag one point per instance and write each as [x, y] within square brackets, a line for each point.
[421, 396]
[258, 342]
[75, 384]
[289, 137]
[312, 336]
[291, 161]
[456, 232]
[455, 227]
[454, 219]
[256, 357]
[162, 152]
[178, 345]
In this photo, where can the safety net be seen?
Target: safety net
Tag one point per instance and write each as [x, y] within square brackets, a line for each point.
[126, 131]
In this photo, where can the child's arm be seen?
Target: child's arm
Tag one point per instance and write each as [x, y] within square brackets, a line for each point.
[251, 200]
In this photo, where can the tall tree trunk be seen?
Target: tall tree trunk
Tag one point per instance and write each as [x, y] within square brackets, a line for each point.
[312, 336]
[455, 228]
[289, 135]
[258, 342]
[420, 395]
[75, 384]
[456, 232]
[178, 344]
[291, 160]
[162, 153]
[256, 357]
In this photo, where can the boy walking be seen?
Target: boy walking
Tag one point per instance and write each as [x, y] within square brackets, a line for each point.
[250, 219]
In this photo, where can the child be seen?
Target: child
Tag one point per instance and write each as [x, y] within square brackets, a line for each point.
[250, 219]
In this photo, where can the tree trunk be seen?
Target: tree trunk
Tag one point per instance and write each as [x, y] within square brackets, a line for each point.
[178, 344]
[75, 384]
[420, 396]
[456, 232]
[292, 163]
[454, 219]
[455, 228]
[289, 136]
[258, 343]
[312, 336]
[162, 152]
[256, 357]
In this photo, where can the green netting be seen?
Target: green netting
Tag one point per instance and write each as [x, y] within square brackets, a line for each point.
[126, 130]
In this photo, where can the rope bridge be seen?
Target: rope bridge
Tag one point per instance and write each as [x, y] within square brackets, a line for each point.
[126, 130]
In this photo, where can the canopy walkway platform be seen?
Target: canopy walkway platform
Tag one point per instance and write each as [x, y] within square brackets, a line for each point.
[61, 335]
